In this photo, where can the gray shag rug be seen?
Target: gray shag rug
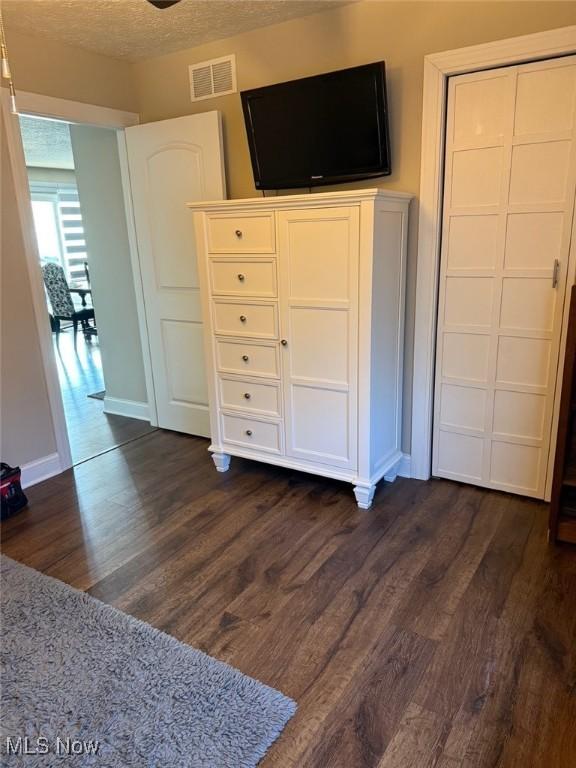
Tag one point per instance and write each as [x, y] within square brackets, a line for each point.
[86, 685]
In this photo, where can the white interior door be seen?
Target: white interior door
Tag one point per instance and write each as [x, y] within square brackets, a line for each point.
[173, 162]
[508, 204]
[319, 252]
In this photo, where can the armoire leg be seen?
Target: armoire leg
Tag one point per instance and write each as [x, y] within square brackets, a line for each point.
[221, 461]
[392, 473]
[364, 495]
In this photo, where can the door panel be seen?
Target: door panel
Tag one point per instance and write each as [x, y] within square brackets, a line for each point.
[472, 242]
[319, 255]
[518, 414]
[469, 301]
[481, 106]
[532, 239]
[527, 304]
[476, 177]
[463, 407]
[319, 424]
[459, 456]
[510, 177]
[319, 316]
[465, 356]
[538, 108]
[319, 344]
[173, 162]
[539, 172]
[173, 174]
[182, 342]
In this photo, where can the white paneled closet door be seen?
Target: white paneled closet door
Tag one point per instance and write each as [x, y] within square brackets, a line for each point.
[508, 204]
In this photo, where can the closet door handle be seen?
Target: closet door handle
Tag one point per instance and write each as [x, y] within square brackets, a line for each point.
[555, 273]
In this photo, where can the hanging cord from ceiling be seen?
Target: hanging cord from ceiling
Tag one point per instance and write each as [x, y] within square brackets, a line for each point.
[6, 72]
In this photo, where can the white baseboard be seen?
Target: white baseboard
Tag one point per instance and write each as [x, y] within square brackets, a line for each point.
[404, 467]
[41, 469]
[131, 408]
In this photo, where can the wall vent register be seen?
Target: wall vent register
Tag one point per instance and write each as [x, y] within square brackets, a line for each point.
[216, 77]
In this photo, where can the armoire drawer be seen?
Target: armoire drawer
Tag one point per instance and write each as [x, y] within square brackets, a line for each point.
[243, 276]
[247, 395]
[244, 357]
[252, 233]
[245, 319]
[251, 433]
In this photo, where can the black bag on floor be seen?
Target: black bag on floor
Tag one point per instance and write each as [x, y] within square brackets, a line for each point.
[12, 497]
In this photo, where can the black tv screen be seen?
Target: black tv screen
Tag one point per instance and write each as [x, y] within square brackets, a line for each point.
[325, 129]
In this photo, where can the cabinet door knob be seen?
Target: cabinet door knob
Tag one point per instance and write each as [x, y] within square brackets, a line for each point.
[249, 432]
[284, 342]
[238, 233]
[247, 395]
[242, 318]
[241, 277]
[245, 358]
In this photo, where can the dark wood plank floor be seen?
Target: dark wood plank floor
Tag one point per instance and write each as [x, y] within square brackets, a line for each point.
[436, 630]
[90, 430]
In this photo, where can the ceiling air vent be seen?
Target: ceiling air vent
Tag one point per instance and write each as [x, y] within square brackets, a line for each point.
[213, 78]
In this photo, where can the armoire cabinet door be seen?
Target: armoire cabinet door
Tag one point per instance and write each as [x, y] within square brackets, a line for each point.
[319, 251]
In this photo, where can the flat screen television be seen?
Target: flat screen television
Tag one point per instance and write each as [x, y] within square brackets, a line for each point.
[325, 129]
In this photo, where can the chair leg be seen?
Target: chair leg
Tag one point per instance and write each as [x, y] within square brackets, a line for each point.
[75, 323]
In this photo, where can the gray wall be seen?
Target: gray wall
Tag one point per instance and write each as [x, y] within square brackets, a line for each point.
[101, 199]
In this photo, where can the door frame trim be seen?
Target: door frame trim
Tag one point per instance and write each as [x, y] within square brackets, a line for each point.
[438, 67]
[75, 112]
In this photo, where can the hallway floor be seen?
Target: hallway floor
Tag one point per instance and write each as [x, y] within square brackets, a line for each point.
[90, 430]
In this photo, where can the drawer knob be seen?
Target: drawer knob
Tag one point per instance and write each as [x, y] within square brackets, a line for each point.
[238, 233]
[245, 358]
[242, 318]
[249, 432]
[241, 277]
[247, 395]
[284, 343]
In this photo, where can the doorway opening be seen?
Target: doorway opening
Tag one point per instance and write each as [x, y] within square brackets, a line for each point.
[80, 225]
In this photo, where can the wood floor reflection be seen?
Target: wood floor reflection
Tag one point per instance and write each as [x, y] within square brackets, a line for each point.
[90, 430]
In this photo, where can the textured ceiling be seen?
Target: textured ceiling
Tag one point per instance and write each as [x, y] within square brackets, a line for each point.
[46, 143]
[134, 29]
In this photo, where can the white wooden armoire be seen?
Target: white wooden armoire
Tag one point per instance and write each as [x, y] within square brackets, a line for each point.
[303, 307]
